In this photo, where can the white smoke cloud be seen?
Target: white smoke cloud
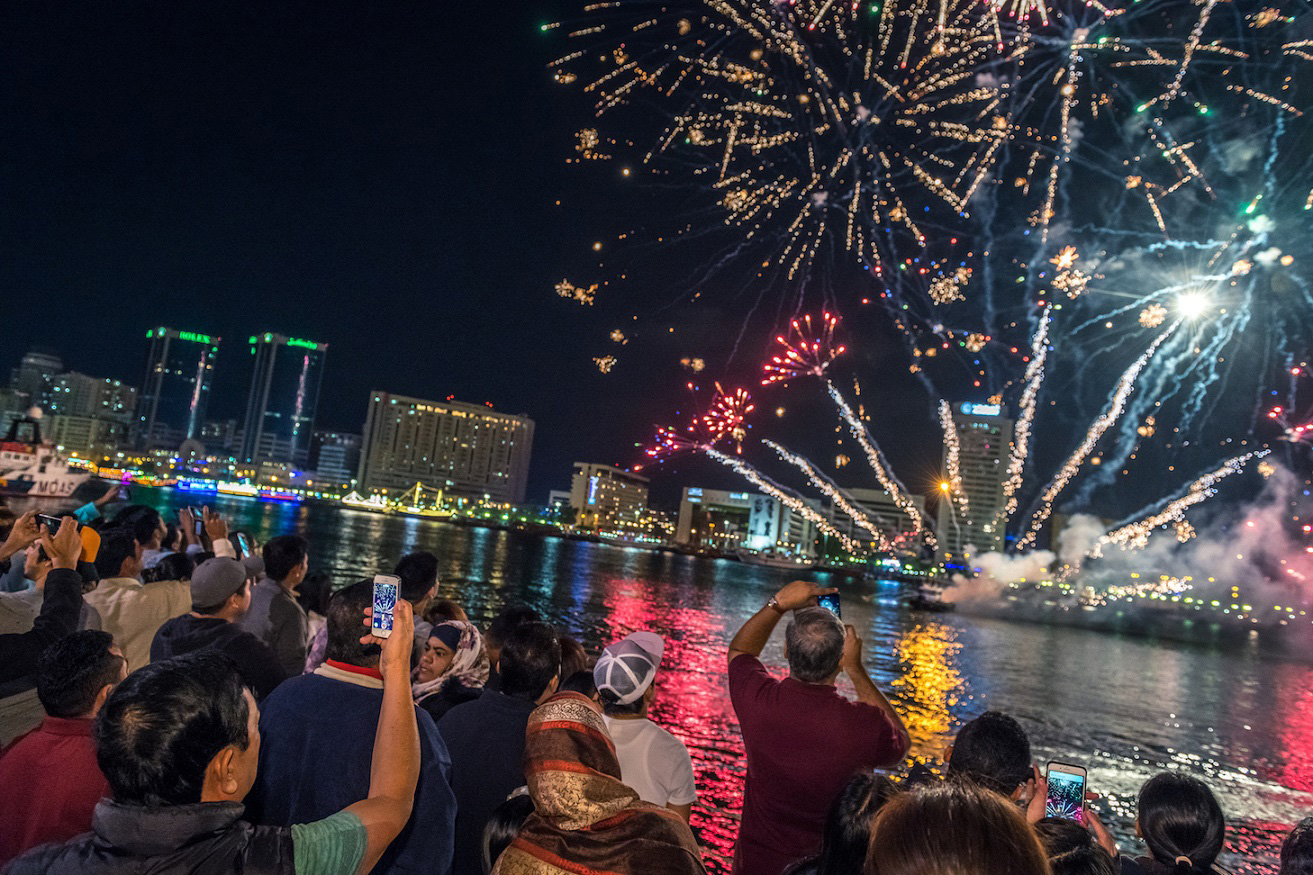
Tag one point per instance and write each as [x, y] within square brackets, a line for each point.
[1262, 224]
[1237, 155]
[1079, 537]
[1268, 257]
[995, 571]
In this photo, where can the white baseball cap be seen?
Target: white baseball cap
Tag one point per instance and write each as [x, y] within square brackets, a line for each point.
[627, 668]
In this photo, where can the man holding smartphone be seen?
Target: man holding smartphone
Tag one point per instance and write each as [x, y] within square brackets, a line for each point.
[803, 740]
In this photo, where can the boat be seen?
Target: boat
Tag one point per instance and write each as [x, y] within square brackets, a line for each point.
[35, 469]
[776, 560]
[929, 597]
[375, 503]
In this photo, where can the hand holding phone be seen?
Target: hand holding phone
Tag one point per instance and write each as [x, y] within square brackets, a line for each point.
[830, 601]
[1066, 792]
[385, 604]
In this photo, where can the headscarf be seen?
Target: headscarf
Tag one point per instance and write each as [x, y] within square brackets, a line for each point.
[469, 666]
[585, 818]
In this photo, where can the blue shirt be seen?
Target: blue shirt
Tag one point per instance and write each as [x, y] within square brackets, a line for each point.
[316, 747]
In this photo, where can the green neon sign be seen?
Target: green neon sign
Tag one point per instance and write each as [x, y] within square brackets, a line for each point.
[194, 337]
[305, 344]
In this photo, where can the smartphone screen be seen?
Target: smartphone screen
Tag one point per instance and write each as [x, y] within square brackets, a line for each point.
[830, 603]
[385, 602]
[198, 520]
[50, 522]
[124, 492]
[244, 543]
[1066, 797]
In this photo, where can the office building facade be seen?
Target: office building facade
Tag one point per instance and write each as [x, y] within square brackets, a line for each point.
[605, 497]
[465, 450]
[284, 394]
[879, 508]
[75, 394]
[176, 391]
[35, 375]
[335, 457]
[984, 437]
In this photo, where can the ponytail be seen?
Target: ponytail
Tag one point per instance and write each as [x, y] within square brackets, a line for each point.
[1181, 823]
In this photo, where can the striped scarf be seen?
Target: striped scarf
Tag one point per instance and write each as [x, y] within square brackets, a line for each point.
[586, 821]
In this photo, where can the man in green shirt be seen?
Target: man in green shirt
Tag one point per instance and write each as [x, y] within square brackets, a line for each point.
[179, 742]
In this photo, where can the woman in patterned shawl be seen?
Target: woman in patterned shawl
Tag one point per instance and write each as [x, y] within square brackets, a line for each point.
[453, 668]
[585, 819]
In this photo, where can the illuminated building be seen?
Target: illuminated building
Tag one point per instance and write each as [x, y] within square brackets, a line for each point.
[721, 520]
[176, 390]
[35, 375]
[74, 394]
[222, 437]
[881, 509]
[89, 415]
[280, 409]
[606, 497]
[984, 436]
[335, 457]
[465, 450]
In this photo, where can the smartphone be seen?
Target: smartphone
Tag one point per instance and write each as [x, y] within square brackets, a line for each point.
[385, 602]
[830, 603]
[1066, 797]
[198, 520]
[125, 492]
[244, 543]
[89, 536]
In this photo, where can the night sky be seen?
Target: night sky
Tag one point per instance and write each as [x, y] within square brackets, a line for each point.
[391, 179]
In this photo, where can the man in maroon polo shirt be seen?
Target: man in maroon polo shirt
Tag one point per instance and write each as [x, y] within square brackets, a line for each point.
[803, 739]
[49, 779]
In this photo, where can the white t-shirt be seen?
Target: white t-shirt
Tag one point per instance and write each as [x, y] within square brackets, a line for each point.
[653, 762]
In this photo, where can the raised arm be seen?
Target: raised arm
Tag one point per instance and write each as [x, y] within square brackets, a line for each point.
[867, 691]
[60, 605]
[752, 638]
[394, 770]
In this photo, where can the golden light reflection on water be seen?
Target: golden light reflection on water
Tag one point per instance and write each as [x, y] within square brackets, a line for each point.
[930, 685]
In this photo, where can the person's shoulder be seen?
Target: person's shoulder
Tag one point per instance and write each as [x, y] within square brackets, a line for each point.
[58, 857]
[663, 737]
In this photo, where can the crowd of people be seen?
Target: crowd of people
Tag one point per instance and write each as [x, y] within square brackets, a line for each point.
[184, 699]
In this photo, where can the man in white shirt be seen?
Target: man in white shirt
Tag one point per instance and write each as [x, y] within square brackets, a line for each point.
[652, 761]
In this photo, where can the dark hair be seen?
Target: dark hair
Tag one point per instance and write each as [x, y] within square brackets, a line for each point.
[418, 573]
[282, 554]
[1072, 849]
[346, 610]
[814, 638]
[443, 610]
[315, 591]
[848, 825]
[161, 727]
[73, 671]
[530, 658]
[145, 524]
[994, 752]
[573, 656]
[502, 827]
[953, 828]
[1179, 817]
[115, 546]
[174, 566]
[1297, 850]
[511, 617]
[613, 708]
[172, 537]
[580, 682]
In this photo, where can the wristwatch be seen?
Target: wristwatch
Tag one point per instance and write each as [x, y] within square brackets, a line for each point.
[774, 605]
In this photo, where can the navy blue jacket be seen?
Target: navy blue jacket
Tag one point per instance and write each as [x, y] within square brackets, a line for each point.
[316, 744]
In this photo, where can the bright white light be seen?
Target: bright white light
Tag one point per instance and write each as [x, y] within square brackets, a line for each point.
[1192, 305]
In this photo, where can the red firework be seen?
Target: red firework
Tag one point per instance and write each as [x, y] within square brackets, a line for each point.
[807, 350]
[725, 418]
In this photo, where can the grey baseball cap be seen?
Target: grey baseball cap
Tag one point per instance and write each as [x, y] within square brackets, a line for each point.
[216, 579]
[627, 668]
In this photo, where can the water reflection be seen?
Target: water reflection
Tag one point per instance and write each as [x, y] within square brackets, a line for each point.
[1126, 708]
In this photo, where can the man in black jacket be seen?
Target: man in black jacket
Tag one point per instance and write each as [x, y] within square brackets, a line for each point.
[220, 597]
[20, 652]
